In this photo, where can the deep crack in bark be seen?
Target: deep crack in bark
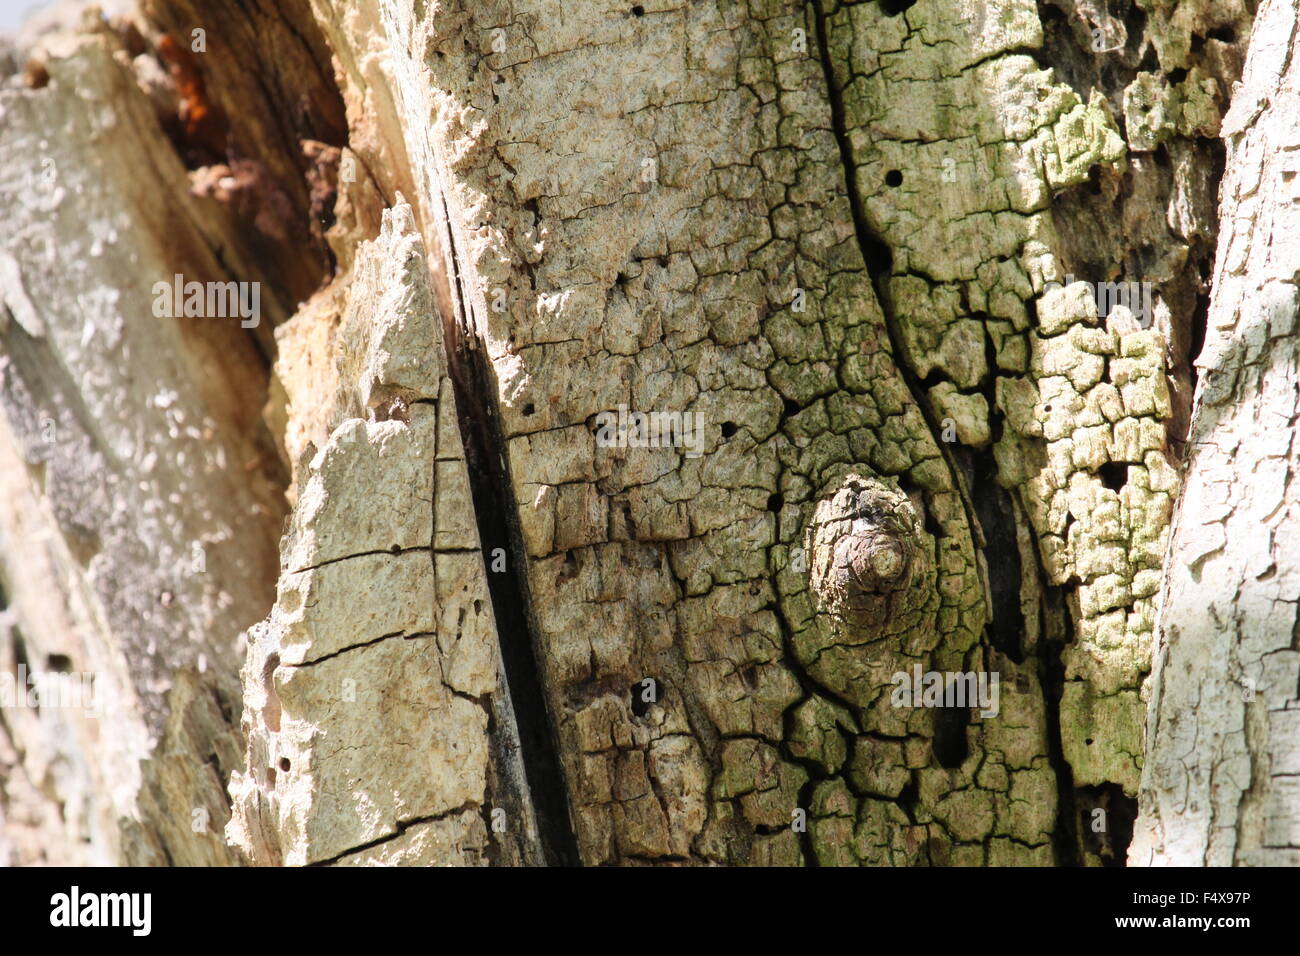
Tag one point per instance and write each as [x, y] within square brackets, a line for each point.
[498, 527]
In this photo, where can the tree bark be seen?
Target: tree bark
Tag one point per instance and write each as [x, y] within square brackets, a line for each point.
[1221, 784]
[858, 246]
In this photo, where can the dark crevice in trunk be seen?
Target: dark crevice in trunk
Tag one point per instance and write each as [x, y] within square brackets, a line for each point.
[498, 527]
[1002, 553]
[1203, 257]
[1051, 677]
[951, 746]
[998, 522]
[1106, 834]
[1200, 319]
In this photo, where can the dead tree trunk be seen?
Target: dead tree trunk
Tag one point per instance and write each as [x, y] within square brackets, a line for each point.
[1221, 784]
[654, 394]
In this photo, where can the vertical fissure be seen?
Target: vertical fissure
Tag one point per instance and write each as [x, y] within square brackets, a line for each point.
[498, 526]
[1058, 630]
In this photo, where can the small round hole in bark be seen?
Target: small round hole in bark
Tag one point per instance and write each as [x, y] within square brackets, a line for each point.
[893, 178]
[728, 429]
[284, 764]
[1113, 475]
[775, 502]
[638, 11]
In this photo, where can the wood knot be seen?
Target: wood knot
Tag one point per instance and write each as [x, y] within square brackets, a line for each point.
[863, 547]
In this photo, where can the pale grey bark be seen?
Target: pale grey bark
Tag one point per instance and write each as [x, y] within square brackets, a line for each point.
[1221, 784]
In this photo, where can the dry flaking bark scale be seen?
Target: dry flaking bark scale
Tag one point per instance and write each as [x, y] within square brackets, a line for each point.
[842, 234]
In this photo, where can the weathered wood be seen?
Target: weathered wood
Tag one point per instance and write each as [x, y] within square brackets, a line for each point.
[370, 690]
[145, 459]
[1219, 786]
[651, 389]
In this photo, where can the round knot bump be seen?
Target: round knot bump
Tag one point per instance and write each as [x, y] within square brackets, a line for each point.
[870, 562]
[863, 547]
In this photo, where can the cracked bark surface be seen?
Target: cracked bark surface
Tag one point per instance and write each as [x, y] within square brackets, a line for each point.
[840, 233]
